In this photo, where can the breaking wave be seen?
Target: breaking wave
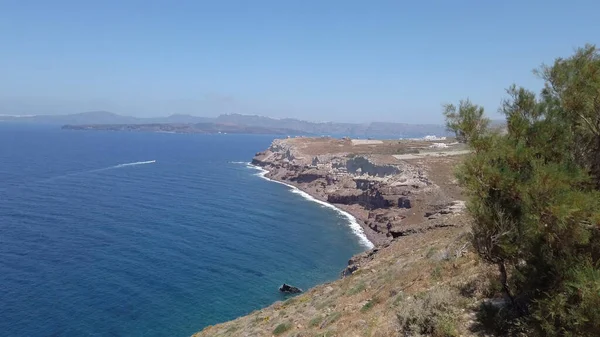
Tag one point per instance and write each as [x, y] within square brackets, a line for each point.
[352, 222]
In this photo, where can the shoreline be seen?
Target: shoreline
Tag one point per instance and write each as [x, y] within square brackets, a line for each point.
[410, 211]
[356, 225]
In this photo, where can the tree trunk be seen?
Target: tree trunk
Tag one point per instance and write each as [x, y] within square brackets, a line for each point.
[504, 281]
[595, 164]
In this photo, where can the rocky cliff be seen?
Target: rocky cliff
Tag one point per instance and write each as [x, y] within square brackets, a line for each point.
[420, 279]
[389, 195]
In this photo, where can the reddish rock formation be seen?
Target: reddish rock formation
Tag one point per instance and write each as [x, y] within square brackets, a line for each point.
[368, 181]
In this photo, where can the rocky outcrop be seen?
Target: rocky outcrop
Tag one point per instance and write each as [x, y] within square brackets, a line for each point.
[380, 190]
[360, 165]
[410, 209]
[404, 202]
[345, 196]
[369, 199]
[357, 261]
[288, 289]
[408, 229]
[309, 175]
[453, 207]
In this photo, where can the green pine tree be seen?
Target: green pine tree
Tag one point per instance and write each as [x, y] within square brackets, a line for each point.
[534, 195]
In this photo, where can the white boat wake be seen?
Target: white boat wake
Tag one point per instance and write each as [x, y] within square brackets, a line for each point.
[102, 169]
[133, 164]
[111, 167]
[75, 174]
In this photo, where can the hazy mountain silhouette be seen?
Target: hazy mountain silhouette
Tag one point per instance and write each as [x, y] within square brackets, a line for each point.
[258, 124]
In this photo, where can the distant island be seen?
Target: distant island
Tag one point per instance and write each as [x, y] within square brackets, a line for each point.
[229, 123]
[206, 128]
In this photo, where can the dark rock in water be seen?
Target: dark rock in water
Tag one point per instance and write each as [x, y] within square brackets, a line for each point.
[286, 288]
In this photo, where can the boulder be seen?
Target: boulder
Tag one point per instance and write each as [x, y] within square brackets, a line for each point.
[310, 175]
[344, 196]
[404, 202]
[349, 270]
[288, 289]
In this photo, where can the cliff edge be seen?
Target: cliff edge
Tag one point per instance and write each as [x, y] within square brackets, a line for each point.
[390, 186]
[419, 279]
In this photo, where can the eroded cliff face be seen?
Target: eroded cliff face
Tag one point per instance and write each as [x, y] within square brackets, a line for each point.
[388, 195]
[420, 279]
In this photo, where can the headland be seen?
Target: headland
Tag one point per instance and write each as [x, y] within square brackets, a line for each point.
[419, 276]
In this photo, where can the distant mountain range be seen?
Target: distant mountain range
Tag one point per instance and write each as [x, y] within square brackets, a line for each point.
[102, 117]
[231, 123]
[207, 128]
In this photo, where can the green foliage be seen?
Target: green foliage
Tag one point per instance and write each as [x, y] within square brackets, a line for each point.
[356, 289]
[334, 316]
[430, 252]
[436, 273]
[325, 304]
[281, 328]
[500, 321]
[535, 200]
[445, 327]
[576, 306]
[572, 93]
[315, 321]
[289, 302]
[430, 313]
[467, 122]
[370, 304]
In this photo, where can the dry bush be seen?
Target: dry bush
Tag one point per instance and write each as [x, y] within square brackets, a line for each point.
[429, 314]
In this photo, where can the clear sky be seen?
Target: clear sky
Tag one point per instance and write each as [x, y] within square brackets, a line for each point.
[353, 61]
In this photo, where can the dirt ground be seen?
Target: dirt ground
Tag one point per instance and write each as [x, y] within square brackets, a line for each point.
[428, 284]
[326, 145]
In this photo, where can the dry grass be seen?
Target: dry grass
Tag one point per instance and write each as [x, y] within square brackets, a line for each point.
[415, 287]
[425, 284]
[320, 146]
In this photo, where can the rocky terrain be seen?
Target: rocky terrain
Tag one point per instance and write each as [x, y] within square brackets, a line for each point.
[384, 184]
[420, 279]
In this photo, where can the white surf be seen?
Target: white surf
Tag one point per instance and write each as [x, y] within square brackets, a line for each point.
[352, 222]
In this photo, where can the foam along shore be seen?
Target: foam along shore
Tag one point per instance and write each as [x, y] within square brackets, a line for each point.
[410, 208]
[352, 222]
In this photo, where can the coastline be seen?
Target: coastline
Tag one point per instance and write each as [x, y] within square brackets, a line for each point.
[387, 194]
[357, 226]
[411, 212]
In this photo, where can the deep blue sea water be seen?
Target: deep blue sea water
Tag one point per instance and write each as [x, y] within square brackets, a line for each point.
[92, 247]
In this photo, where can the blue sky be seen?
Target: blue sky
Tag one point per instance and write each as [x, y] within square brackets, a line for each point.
[353, 61]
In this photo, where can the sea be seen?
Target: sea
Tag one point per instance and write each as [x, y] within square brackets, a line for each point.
[151, 234]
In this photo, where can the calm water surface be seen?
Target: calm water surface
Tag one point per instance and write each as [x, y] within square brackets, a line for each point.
[147, 234]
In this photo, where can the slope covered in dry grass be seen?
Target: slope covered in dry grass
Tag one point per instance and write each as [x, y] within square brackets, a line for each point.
[425, 282]
[429, 284]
